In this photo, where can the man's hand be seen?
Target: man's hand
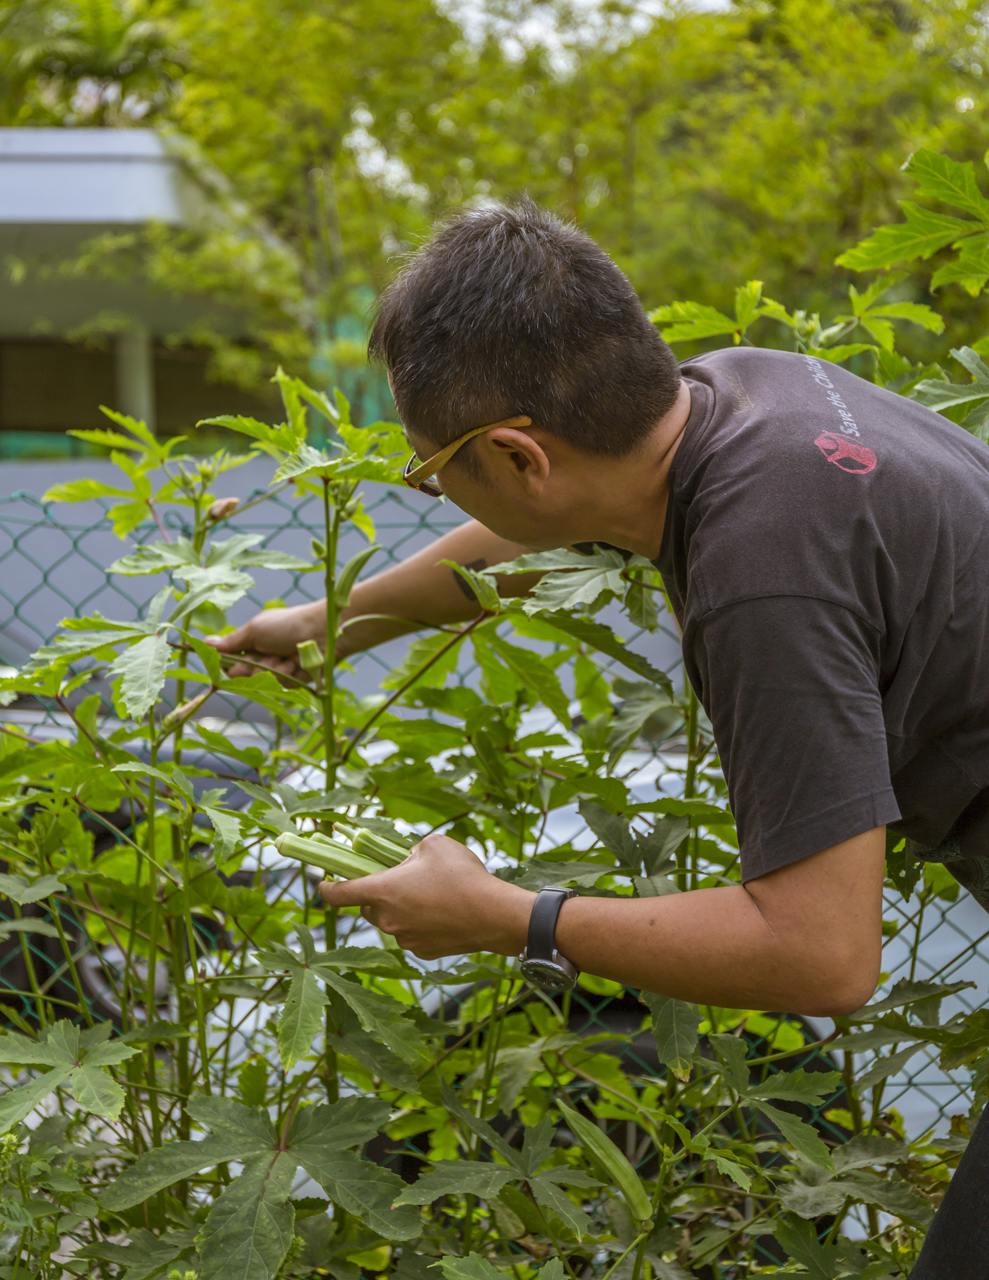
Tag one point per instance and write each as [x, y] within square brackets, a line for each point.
[440, 902]
[272, 638]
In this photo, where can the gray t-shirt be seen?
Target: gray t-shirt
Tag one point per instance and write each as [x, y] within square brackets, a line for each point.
[826, 551]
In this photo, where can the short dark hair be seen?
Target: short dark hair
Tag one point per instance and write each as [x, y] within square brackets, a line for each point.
[508, 310]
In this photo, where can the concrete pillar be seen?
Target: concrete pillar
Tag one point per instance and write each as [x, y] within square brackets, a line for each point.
[135, 370]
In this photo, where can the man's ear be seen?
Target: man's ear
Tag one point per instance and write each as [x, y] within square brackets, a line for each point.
[515, 458]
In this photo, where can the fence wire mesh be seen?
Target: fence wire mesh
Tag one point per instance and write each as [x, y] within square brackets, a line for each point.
[54, 563]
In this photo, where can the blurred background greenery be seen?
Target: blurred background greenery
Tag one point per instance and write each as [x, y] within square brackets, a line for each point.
[700, 146]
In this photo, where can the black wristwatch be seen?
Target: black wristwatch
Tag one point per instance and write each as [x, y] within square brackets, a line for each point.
[540, 962]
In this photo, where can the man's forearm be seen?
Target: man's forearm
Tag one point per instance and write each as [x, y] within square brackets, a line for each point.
[709, 946]
[422, 590]
[805, 938]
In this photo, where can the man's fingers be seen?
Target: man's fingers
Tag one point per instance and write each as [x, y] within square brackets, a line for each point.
[279, 666]
[235, 642]
[361, 892]
[286, 667]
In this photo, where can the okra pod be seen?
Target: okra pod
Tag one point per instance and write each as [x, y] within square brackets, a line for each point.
[383, 850]
[326, 854]
[378, 847]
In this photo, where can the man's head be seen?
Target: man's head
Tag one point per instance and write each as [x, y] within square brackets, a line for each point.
[509, 311]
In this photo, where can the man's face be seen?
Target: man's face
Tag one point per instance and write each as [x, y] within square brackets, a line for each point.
[498, 491]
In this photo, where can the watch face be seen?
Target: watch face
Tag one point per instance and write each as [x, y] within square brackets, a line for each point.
[548, 975]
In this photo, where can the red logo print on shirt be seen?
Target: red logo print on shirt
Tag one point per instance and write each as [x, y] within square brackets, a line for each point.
[855, 458]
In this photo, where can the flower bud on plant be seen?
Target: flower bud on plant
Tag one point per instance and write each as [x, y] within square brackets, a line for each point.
[185, 710]
[222, 508]
[310, 657]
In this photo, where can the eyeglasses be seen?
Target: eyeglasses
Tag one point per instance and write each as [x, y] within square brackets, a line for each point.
[417, 474]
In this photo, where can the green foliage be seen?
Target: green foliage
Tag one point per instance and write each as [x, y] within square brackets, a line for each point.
[78, 1058]
[531, 1132]
[927, 231]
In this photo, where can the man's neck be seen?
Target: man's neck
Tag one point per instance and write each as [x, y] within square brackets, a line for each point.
[630, 494]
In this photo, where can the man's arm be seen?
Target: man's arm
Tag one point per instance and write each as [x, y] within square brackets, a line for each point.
[419, 591]
[804, 939]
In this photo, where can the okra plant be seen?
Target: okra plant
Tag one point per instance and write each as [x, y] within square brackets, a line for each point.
[267, 1088]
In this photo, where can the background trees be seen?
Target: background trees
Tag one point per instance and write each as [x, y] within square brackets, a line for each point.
[701, 148]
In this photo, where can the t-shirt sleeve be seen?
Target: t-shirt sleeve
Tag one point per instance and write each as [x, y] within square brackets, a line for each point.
[792, 688]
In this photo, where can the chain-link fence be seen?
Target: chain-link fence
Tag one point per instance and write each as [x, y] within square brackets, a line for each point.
[53, 564]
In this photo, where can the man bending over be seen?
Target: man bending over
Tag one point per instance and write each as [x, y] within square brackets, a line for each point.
[825, 546]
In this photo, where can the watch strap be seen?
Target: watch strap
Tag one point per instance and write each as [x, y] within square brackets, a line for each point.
[541, 941]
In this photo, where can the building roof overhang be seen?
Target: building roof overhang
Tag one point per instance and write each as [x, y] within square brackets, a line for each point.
[60, 188]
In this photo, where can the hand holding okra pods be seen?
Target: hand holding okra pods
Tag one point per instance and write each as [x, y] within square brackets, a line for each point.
[436, 898]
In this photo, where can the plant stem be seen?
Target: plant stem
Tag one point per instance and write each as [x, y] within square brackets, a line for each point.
[637, 1243]
[362, 732]
[150, 1004]
[331, 531]
[32, 977]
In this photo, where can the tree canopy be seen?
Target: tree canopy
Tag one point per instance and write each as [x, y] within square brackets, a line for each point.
[700, 147]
